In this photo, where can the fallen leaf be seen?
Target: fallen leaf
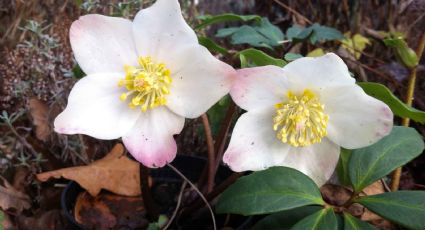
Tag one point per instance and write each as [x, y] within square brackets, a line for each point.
[110, 211]
[40, 115]
[373, 189]
[10, 198]
[115, 172]
[43, 220]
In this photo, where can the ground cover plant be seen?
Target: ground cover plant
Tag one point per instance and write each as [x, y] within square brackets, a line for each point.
[191, 114]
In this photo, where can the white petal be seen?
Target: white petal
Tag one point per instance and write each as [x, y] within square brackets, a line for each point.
[151, 140]
[259, 87]
[254, 145]
[199, 81]
[94, 109]
[318, 161]
[355, 119]
[159, 29]
[317, 73]
[103, 44]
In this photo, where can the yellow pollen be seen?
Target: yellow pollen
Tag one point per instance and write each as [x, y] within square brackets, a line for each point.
[148, 84]
[300, 121]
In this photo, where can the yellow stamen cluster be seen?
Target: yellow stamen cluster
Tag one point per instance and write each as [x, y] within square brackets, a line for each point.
[300, 121]
[148, 84]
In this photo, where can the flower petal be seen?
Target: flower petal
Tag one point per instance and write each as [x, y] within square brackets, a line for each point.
[94, 108]
[259, 87]
[254, 145]
[318, 161]
[159, 29]
[102, 44]
[317, 73]
[199, 81]
[355, 119]
[151, 140]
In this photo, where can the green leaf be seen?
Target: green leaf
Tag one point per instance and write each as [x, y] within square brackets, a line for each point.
[314, 33]
[253, 57]
[403, 52]
[248, 35]
[292, 56]
[352, 223]
[78, 72]
[284, 220]
[399, 108]
[324, 33]
[1, 219]
[270, 31]
[323, 219]
[212, 46]
[406, 208]
[376, 161]
[207, 20]
[272, 190]
[264, 34]
[342, 167]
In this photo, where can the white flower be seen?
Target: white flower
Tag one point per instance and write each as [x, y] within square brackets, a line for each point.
[143, 78]
[299, 116]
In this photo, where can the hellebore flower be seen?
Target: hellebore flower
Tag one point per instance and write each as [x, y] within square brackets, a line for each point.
[299, 115]
[143, 79]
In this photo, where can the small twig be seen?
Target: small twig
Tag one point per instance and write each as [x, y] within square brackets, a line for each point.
[23, 141]
[211, 152]
[151, 208]
[395, 182]
[197, 191]
[293, 11]
[179, 201]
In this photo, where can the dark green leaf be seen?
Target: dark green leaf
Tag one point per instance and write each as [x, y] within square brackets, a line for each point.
[323, 219]
[284, 220]
[212, 46]
[314, 33]
[264, 34]
[399, 108]
[225, 32]
[270, 31]
[272, 190]
[324, 33]
[352, 223]
[406, 208]
[376, 161]
[292, 56]
[342, 167]
[207, 20]
[78, 72]
[296, 32]
[253, 57]
[248, 35]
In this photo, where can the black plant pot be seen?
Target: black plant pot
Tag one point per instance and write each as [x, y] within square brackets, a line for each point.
[190, 166]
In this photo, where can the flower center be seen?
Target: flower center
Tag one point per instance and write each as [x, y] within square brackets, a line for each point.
[148, 84]
[300, 121]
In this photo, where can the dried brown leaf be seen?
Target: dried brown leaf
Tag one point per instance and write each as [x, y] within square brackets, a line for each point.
[10, 198]
[115, 172]
[110, 211]
[40, 115]
[373, 189]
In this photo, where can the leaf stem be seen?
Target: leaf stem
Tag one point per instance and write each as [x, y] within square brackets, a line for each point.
[395, 181]
[211, 153]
